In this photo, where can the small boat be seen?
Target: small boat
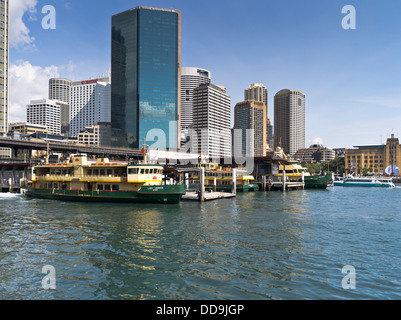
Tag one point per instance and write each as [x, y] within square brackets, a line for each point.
[102, 181]
[351, 181]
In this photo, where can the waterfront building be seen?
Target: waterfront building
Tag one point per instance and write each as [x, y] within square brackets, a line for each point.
[4, 63]
[251, 115]
[27, 128]
[340, 152]
[212, 121]
[146, 76]
[270, 134]
[191, 78]
[315, 153]
[373, 158]
[289, 120]
[47, 113]
[89, 104]
[96, 135]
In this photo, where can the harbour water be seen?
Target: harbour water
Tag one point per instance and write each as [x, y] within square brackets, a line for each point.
[259, 246]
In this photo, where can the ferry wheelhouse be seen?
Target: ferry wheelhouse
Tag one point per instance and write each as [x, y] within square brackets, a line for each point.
[82, 180]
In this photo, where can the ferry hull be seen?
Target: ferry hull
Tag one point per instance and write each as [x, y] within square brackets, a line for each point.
[147, 194]
[317, 182]
[364, 184]
[240, 188]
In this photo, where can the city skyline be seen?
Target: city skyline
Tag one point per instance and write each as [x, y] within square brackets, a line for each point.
[349, 76]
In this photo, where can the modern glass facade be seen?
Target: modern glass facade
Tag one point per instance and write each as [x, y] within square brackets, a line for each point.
[3, 65]
[145, 85]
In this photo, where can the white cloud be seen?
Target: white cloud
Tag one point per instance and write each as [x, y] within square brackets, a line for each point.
[19, 32]
[317, 140]
[26, 83]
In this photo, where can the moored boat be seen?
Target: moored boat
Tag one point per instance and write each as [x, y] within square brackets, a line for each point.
[317, 182]
[352, 181]
[102, 181]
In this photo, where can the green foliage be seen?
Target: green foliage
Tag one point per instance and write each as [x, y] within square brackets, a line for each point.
[333, 166]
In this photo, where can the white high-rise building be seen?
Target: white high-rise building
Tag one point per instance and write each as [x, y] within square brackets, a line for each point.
[212, 121]
[190, 79]
[289, 120]
[60, 89]
[4, 44]
[89, 104]
[47, 113]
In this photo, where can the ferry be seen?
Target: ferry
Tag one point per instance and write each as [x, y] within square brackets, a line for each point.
[102, 181]
[294, 172]
[351, 181]
[224, 178]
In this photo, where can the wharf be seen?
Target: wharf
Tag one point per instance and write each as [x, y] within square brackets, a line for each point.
[194, 196]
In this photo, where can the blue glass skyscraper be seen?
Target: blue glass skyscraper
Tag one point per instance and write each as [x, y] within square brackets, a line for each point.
[145, 75]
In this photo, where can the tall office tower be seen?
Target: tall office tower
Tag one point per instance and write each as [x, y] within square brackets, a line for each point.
[4, 65]
[289, 120]
[251, 115]
[190, 79]
[90, 104]
[60, 89]
[146, 81]
[256, 92]
[46, 113]
[212, 121]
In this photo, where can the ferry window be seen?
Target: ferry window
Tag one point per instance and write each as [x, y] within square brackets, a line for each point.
[146, 171]
[109, 172]
[95, 172]
[49, 186]
[102, 172]
[150, 171]
[55, 185]
[116, 187]
[100, 187]
[107, 187]
[133, 171]
[89, 172]
[41, 186]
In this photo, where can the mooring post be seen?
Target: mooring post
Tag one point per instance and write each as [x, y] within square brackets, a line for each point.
[234, 190]
[202, 185]
[283, 178]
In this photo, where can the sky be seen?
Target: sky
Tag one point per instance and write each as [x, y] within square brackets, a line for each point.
[351, 77]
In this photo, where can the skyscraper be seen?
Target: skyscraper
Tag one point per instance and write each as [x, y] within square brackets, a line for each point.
[251, 115]
[4, 65]
[60, 89]
[45, 112]
[90, 103]
[289, 120]
[145, 84]
[190, 79]
[256, 92]
[212, 121]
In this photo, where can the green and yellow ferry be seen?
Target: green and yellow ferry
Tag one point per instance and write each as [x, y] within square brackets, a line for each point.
[224, 178]
[102, 181]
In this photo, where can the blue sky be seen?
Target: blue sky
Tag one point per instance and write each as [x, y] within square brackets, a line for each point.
[351, 78]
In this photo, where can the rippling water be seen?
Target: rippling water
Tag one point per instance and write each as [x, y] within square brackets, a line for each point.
[262, 245]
